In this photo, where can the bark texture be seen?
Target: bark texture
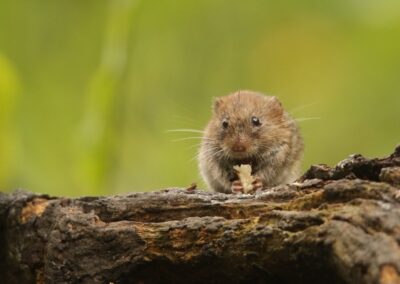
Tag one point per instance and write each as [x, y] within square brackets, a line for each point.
[335, 225]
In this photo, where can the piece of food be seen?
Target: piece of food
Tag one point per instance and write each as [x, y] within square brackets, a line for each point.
[244, 174]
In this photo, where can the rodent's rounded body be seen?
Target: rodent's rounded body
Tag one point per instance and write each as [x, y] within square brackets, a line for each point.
[250, 128]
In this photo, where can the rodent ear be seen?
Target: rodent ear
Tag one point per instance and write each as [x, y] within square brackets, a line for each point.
[216, 104]
[276, 106]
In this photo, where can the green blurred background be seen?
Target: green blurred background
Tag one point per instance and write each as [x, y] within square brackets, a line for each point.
[89, 88]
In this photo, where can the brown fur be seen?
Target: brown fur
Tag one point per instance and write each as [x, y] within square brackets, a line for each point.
[274, 148]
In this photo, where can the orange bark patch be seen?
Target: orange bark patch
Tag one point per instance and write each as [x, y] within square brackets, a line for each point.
[34, 208]
[389, 275]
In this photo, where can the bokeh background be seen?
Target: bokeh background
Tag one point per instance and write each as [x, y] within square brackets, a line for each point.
[88, 89]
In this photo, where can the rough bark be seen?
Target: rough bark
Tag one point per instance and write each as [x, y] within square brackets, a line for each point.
[335, 225]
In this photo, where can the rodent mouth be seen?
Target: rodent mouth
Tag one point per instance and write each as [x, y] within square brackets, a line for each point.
[231, 160]
[247, 161]
[238, 155]
[243, 159]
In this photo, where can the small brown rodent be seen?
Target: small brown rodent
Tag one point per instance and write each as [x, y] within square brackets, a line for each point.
[250, 128]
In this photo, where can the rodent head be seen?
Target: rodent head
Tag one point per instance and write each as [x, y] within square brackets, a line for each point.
[246, 125]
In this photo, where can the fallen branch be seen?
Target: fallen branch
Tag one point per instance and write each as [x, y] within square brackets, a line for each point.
[336, 225]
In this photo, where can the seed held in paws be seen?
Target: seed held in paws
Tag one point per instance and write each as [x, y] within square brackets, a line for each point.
[245, 177]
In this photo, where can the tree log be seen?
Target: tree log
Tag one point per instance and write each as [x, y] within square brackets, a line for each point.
[334, 225]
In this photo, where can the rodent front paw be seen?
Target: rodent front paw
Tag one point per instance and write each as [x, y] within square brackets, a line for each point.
[257, 184]
[237, 186]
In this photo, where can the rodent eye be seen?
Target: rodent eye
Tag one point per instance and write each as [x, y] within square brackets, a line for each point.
[225, 123]
[255, 121]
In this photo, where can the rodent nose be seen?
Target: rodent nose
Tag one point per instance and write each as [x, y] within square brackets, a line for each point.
[238, 147]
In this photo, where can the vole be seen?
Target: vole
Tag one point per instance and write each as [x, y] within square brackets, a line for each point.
[249, 128]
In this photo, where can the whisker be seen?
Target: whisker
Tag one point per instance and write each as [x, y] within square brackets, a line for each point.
[185, 130]
[307, 118]
[193, 137]
[209, 153]
[187, 138]
[193, 146]
[296, 109]
[211, 149]
[301, 119]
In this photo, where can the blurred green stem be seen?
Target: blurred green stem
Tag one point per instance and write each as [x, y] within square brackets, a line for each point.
[97, 137]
